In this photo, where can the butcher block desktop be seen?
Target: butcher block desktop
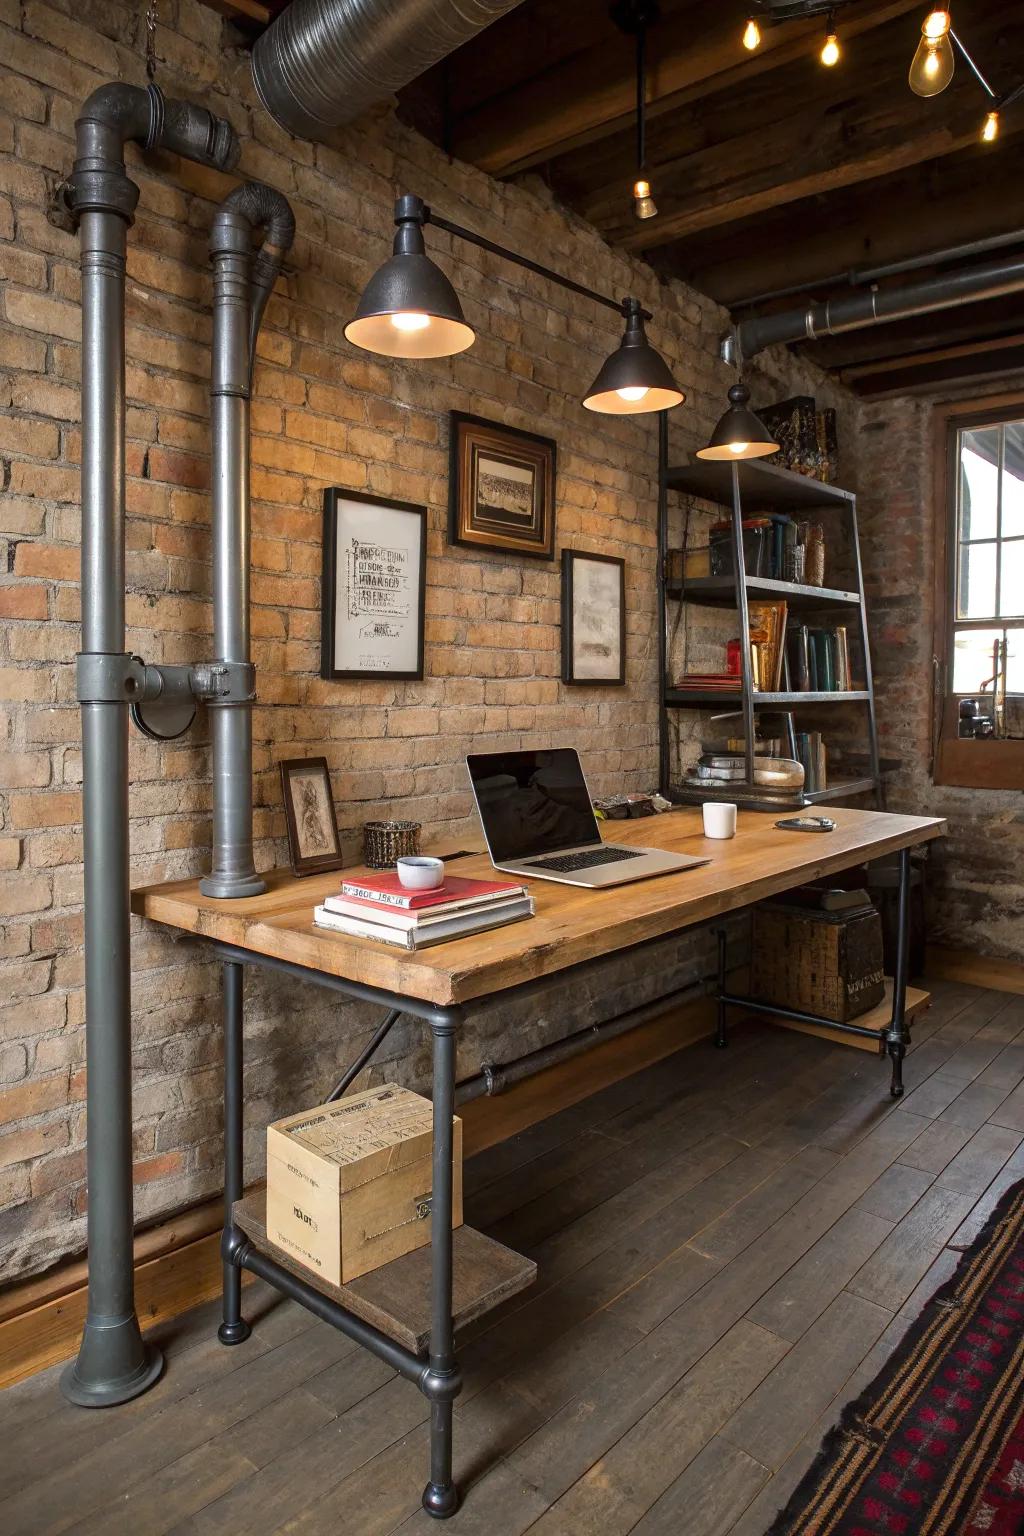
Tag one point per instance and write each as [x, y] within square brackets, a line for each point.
[571, 926]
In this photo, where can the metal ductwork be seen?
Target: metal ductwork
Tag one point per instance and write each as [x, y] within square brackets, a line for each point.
[113, 1363]
[855, 311]
[324, 62]
[242, 284]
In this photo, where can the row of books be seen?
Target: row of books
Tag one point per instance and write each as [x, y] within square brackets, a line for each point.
[379, 907]
[813, 754]
[818, 659]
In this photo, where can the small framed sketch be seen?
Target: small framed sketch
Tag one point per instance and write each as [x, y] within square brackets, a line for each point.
[313, 842]
[593, 618]
[374, 578]
[501, 488]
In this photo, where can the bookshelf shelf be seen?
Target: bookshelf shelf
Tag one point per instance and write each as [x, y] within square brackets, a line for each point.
[721, 590]
[747, 488]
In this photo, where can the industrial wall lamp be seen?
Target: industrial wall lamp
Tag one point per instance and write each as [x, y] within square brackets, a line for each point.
[410, 309]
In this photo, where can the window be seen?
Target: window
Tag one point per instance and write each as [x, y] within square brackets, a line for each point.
[988, 551]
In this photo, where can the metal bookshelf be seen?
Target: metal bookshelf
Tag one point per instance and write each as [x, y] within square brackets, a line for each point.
[760, 487]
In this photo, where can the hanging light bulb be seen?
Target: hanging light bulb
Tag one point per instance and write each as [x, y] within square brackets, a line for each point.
[751, 35]
[830, 50]
[644, 205]
[931, 69]
[990, 131]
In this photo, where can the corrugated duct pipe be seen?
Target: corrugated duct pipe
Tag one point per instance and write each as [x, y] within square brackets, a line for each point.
[324, 62]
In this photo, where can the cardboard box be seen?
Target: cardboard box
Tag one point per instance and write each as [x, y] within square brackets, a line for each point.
[349, 1184]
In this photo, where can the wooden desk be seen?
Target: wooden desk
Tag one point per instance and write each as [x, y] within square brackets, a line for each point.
[395, 1309]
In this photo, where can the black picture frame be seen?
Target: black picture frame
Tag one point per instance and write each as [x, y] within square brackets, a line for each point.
[320, 806]
[415, 577]
[531, 532]
[571, 596]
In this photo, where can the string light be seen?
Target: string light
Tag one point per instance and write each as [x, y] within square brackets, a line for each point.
[990, 131]
[831, 50]
[751, 35]
[931, 69]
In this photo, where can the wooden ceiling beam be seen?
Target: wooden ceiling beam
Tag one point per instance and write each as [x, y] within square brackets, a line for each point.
[591, 95]
[908, 362]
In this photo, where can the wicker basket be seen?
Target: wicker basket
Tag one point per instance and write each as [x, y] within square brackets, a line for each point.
[825, 963]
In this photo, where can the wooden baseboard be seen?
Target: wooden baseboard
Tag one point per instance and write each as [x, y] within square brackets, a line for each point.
[178, 1265]
[977, 970]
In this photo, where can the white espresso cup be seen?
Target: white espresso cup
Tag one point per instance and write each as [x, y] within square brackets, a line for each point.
[719, 818]
[418, 872]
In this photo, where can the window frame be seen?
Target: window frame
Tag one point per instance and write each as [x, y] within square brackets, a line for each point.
[989, 764]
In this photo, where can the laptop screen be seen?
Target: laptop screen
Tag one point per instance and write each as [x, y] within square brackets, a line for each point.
[532, 802]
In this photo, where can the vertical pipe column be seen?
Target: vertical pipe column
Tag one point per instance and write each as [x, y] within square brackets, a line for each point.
[440, 1496]
[233, 1329]
[898, 1035]
[234, 872]
[113, 1363]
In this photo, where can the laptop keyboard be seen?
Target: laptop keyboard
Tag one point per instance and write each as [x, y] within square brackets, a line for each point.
[563, 863]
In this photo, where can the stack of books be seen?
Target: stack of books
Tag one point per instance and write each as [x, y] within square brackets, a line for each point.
[819, 659]
[709, 682]
[379, 907]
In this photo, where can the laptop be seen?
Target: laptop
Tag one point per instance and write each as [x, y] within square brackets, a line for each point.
[539, 821]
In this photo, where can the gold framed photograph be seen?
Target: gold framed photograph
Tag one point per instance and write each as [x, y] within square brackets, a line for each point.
[313, 842]
[501, 488]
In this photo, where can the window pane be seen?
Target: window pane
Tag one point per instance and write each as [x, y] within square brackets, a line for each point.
[977, 597]
[972, 658]
[1013, 480]
[979, 483]
[1015, 661]
[1011, 580]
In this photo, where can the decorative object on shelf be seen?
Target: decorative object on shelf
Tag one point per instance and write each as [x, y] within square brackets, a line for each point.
[313, 842]
[767, 625]
[385, 842]
[409, 309]
[593, 618]
[813, 540]
[739, 433]
[349, 1183]
[501, 487]
[633, 17]
[807, 437]
[374, 580]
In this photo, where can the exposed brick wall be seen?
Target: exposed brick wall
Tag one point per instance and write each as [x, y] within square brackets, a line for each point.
[975, 886]
[323, 414]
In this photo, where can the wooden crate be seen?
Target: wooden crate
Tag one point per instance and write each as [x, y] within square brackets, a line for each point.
[349, 1184]
[825, 963]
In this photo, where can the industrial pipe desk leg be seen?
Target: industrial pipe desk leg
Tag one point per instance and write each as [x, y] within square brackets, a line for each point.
[720, 1037]
[898, 1035]
[234, 1329]
[440, 1496]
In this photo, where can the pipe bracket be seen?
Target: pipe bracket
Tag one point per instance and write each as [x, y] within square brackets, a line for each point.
[107, 190]
[224, 682]
[105, 678]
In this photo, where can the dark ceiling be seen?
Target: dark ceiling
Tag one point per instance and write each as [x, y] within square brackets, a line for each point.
[770, 171]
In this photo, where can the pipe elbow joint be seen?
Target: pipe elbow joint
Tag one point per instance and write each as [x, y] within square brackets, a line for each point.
[264, 208]
[234, 1245]
[441, 1386]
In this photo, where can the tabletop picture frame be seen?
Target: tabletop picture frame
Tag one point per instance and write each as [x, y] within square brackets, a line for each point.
[501, 488]
[593, 619]
[374, 585]
[313, 842]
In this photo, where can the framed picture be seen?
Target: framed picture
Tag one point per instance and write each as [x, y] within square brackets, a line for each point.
[501, 488]
[374, 578]
[593, 618]
[313, 841]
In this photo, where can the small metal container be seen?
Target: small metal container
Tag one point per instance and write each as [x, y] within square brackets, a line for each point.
[385, 842]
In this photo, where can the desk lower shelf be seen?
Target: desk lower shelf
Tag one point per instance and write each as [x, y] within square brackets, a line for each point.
[875, 1018]
[396, 1297]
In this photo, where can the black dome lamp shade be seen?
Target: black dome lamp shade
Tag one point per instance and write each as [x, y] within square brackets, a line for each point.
[635, 377]
[409, 308]
[739, 434]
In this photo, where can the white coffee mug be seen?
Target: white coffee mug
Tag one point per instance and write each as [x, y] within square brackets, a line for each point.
[719, 818]
[418, 872]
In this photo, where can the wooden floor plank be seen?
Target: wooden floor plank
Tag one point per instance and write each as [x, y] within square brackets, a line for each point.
[730, 1246]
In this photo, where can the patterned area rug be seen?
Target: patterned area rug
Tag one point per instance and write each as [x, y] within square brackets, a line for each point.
[935, 1446]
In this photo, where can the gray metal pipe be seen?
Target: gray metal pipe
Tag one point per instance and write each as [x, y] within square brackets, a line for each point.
[323, 62]
[242, 285]
[854, 311]
[113, 1364]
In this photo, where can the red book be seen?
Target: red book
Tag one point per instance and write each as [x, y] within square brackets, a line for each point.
[388, 891]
